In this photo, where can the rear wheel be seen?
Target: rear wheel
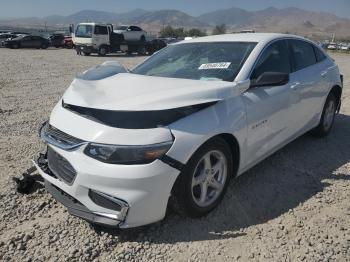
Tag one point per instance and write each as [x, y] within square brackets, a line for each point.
[327, 118]
[204, 180]
[44, 46]
[142, 51]
[15, 46]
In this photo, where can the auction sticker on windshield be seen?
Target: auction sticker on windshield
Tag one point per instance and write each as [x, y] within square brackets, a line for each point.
[221, 65]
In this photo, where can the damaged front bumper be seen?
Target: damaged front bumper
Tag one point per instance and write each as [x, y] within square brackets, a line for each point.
[75, 207]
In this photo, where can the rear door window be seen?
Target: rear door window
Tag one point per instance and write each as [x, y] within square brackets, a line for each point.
[136, 28]
[303, 54]
[101, 30]
[320, 56]
[274, 58]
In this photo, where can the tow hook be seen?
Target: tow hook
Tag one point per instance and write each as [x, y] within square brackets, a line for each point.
[25, 185]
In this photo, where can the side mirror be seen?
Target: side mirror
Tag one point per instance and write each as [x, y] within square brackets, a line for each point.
[270, 79]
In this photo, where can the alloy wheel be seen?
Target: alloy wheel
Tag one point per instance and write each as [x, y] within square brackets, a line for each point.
[209, 178]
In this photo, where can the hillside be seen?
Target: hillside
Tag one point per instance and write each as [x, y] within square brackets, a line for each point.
[292, 20]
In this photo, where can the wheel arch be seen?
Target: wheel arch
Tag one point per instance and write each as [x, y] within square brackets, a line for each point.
[232, 141]
[234, 146]
[337, 91]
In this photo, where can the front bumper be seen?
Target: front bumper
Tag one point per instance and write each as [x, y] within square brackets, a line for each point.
[75, 208]
[85, 48]
[142, 191]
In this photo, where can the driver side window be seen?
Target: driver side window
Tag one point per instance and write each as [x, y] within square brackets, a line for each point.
[274, 58]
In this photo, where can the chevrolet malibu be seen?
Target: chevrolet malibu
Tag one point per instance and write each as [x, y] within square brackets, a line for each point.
[124, 145]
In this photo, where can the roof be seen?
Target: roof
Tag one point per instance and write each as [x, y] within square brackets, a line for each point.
[245, 37]
[92, 23]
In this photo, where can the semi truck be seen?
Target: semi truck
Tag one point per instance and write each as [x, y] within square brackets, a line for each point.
[101, 39]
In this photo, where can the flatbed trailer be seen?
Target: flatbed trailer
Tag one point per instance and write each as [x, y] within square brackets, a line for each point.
[99, 38]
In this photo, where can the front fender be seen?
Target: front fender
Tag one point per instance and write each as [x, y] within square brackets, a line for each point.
[226, 116]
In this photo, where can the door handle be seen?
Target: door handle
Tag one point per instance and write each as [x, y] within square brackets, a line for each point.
[295, 86]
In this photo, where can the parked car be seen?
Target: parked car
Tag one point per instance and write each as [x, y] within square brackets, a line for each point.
[29, 41]
[6, 36]
[332, 46]
[122, 145]
[56, 40]
[68, 42]
[345, 47]
[131, 32]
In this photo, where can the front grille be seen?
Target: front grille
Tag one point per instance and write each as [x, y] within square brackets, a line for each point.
[60, 166]
[58, 138]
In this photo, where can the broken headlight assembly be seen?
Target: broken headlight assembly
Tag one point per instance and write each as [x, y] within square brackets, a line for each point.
[127, 155]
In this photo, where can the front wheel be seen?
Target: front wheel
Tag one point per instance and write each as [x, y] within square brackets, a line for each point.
[327, 118]
[202, 184]
[102, 51]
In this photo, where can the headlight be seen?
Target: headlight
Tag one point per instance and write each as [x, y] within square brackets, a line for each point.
[127, 155]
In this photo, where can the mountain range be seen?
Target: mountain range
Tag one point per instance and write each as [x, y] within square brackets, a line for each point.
[291, 20]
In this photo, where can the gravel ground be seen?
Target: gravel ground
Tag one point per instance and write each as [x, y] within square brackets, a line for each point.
[294, 206]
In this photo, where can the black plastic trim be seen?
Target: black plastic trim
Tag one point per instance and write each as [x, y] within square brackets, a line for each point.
[172, 162]
[75, 208]
[136, 119]
[102, 201]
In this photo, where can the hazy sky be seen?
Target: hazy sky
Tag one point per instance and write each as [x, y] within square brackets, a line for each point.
[41, 8]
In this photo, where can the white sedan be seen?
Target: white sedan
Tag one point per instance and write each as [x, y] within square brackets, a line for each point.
[125, 145]
[131, 33]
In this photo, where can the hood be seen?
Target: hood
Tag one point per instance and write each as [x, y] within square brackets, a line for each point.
[132, 92]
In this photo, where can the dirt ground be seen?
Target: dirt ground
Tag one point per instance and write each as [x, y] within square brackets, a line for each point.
[294, 206]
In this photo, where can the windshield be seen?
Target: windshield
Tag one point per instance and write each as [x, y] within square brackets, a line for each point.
[122, 27]
[199, 61]
[84, 31]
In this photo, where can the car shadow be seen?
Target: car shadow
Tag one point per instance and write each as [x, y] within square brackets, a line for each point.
[281, 182]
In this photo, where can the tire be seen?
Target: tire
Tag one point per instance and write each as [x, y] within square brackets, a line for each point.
[142, 51]
[143, 38]
[86, 53]
[44, 46]
[15, 46]
[102, 51]
[327, 118]
[186, 198]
